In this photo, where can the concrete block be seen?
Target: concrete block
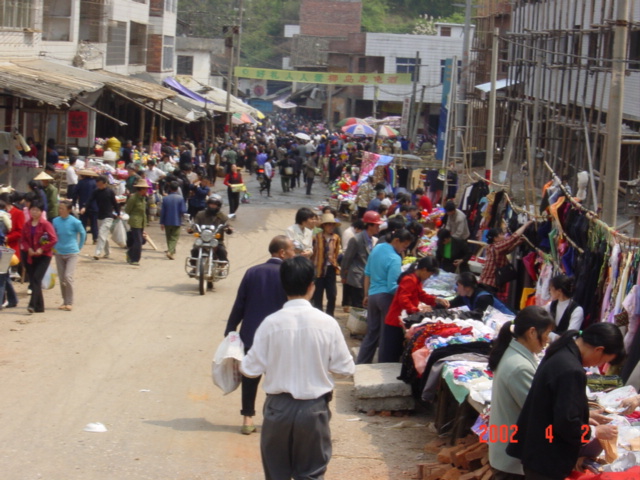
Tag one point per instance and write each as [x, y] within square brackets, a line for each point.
[379, 380]
[388, 404]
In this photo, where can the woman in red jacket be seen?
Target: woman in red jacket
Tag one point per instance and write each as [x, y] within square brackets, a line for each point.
[38, 239]
[407, 298]
[233, 178]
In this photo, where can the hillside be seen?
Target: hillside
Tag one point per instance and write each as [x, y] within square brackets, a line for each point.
[263, 44]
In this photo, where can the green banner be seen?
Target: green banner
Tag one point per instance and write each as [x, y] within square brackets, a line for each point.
[329, 78]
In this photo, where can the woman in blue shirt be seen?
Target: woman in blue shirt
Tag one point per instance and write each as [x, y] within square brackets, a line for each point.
[71, 238]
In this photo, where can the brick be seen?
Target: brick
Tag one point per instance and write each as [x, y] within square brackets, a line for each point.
[452, 474]
[464, 456]
[435, 445]
[468, 440]
[425, 469]
[446, 454]
[437, 473]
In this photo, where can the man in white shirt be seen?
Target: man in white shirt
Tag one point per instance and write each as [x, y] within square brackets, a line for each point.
[296, 349]
[72, 178]
[153, 173]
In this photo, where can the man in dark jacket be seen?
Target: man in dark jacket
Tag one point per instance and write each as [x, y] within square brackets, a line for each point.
[108, 209]
[260, 294]
[84, 189]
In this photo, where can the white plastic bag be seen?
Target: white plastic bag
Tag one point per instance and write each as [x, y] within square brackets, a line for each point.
[225, 368]
[49, 279]
[119, 233]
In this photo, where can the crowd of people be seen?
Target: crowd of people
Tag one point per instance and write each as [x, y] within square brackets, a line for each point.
[288, 304]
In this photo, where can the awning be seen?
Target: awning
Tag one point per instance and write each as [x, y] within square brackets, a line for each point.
[182, 90]
[136, 87]
[284, 105]
[219, 97]
[44, 81]
[61, 85]
[486, 87]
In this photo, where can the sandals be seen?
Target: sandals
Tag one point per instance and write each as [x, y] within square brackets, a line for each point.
[66, 308]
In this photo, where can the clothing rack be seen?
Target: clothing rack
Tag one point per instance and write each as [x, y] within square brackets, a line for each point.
[591, 215]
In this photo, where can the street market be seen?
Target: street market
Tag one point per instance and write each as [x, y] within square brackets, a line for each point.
[405, 251]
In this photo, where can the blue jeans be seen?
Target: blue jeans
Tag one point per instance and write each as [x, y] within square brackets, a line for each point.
[7, 287]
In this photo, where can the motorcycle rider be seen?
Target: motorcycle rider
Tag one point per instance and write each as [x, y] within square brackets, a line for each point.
[213, 215]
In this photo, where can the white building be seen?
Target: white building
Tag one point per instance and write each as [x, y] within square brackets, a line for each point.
[399, 54]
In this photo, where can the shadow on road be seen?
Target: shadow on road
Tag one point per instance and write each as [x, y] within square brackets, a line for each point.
[186, 289]
[193, 425]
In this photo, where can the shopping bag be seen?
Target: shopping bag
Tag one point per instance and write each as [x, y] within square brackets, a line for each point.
[225, 369]
[49, 279]
[119, 233]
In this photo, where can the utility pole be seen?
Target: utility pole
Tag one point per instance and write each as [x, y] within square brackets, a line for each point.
[414, 132]
[237, 47]
[375, 101]
[231, 33]
[614, 113]
[416, 74]
[491, 123]
[461, 106]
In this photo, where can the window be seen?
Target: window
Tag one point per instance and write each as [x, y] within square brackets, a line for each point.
[185, 65]
[16, 14]
[443, 67]
[117, 43]
[634, 50]
[408, 65]
[171, 5]
[137, 44]
[92, 22]
[56, 21]
[167, 52]
[445, 31]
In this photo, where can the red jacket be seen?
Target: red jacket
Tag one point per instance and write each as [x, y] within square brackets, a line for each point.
[35, 241]
[232, 179]
[17, 223]
[407, 297]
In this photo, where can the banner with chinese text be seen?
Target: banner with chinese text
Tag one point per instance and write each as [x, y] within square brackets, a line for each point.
[77, 124]
[327, 78]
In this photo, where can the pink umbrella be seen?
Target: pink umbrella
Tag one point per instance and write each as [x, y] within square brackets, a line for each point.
[384, 131]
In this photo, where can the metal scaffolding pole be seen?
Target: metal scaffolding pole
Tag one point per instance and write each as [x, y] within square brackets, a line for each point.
[614, 113]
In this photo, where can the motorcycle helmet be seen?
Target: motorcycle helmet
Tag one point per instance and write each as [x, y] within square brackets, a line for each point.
[214, 199]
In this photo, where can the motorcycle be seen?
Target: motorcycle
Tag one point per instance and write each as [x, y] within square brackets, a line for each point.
[205, 266]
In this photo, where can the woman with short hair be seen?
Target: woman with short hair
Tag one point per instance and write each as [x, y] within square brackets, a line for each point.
[71, 238]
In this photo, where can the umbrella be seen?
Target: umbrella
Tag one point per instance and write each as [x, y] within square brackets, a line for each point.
[359, 130]
[384, 131]
[392, 121]
[244, 118]
[345, 122]
[302, 136]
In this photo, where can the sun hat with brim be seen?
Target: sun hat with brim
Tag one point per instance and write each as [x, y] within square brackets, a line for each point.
[87, 173]
[43, 176]
[141, 184]
[327, 218]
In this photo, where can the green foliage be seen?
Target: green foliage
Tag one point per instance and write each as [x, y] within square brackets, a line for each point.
[263, 42]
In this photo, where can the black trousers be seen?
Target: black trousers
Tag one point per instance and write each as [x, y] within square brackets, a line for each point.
[249, 392]
[36, 270]
[135, 245]
[91, 218]
[352, 296]
[361, 211]
[309, 185]
[234, 200]
[296, 439]
[326, 284]
[267, 186]
[391, 344]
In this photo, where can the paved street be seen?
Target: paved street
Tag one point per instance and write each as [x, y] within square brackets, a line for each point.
[135, 355]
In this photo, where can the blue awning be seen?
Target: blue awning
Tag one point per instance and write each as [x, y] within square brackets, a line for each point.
[181, 89]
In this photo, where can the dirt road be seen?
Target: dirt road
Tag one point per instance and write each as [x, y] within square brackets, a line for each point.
[135, 355]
